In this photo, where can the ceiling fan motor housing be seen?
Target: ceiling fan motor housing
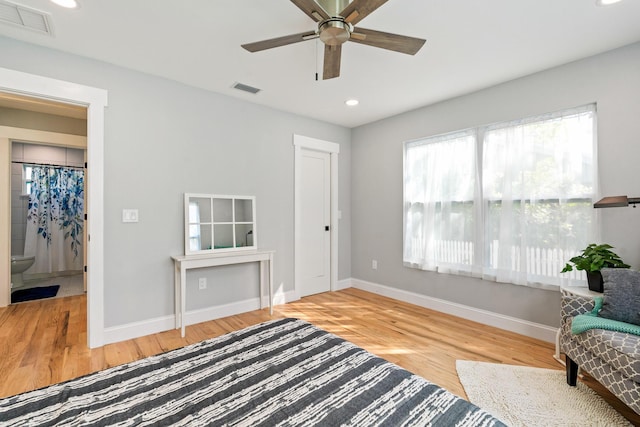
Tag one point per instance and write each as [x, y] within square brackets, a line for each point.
[334, 31]
[333, 7]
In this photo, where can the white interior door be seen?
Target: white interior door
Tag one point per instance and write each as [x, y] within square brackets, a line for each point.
[314, 250]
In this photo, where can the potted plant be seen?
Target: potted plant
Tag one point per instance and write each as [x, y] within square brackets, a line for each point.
[592, 260]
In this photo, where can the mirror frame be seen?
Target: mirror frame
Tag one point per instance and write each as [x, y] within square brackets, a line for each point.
[233, 223]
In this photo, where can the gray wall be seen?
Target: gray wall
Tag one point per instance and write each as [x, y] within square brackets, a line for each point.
[612, 80]
[163, 139]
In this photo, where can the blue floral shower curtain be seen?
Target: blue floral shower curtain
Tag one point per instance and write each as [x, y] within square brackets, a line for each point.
[55, 219]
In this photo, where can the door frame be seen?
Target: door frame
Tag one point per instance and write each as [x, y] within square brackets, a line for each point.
[300, 143]
[95, 99]
[8, 135]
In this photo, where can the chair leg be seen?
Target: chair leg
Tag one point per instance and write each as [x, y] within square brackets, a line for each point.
[572, 371]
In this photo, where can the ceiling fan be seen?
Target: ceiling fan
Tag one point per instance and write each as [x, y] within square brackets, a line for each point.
[336, 20]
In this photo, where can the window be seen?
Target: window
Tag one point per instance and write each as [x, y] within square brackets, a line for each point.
[510, 202]
[27, 171]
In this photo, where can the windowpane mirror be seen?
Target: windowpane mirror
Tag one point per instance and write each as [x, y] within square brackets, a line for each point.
[216, 223]
[222, 209]
[243, 210]
[223, 236]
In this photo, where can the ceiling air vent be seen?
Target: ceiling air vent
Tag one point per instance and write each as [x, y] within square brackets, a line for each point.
[246, 88]
[25, 17]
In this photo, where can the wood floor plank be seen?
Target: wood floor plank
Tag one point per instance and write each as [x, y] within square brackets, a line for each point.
[43, 342]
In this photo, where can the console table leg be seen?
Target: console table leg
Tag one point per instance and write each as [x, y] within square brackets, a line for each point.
[271, 284]
[176, 288]
[262, 284]
[183, 302]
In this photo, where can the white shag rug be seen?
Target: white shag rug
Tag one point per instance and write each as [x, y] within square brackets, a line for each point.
[526, 396]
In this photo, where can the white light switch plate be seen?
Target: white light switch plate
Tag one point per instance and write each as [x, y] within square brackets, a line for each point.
[129, 215]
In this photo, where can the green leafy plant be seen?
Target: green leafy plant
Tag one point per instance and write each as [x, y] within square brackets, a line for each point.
[595, 258]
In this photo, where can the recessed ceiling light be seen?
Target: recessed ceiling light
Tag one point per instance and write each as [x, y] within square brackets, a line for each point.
[606, 2]
[352, 102]
[69, 4]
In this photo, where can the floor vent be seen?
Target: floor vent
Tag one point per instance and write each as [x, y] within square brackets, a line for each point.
[25, 17]
[246, 88]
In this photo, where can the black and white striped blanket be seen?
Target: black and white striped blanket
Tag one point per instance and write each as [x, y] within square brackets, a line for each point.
[284, 372]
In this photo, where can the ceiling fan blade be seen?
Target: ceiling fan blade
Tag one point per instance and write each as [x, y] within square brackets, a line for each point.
[395, 42]
[279, 41]
[359, 9]
[331, 66]
[312, 9]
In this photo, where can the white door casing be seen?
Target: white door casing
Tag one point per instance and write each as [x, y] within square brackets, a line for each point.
[95, 99]
[309, 152]
[314, 251]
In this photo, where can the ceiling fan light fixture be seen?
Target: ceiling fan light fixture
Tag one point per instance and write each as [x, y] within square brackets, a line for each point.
[69, 4]
[334, 31]
[352, 102]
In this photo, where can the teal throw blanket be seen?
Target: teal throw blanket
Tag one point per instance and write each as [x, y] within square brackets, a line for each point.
[584, 322]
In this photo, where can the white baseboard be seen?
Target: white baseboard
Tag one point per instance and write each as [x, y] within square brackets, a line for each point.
[138, 329]
[216, 312]
[166, 323]
[513, 324]
[343, 284]
[282, 298]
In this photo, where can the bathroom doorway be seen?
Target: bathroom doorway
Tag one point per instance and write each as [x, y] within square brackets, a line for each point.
[47, 221]
[65, 98]
[37, 132]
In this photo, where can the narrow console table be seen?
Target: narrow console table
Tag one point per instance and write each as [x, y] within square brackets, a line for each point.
[183, 263]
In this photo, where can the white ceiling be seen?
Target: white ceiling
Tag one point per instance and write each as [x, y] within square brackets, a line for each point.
[471, 45]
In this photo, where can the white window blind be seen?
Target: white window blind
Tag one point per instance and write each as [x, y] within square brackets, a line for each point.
[510, 202]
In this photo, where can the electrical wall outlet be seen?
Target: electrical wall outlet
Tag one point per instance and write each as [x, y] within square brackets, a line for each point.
[374, 264]
[202, 283]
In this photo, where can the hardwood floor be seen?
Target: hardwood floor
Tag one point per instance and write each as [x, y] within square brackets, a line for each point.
[44, 342]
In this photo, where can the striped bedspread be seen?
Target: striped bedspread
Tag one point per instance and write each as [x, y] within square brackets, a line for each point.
[284, 372]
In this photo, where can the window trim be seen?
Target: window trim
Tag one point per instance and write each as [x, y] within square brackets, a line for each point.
[26, 182]
[477, 268]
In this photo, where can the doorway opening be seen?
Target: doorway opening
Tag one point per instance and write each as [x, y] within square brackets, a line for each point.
[39, 90]
[47, 221]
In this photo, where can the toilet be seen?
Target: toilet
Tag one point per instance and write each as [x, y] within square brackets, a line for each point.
[19, 264]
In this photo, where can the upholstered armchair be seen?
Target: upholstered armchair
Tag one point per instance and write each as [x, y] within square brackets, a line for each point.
[606, 348]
